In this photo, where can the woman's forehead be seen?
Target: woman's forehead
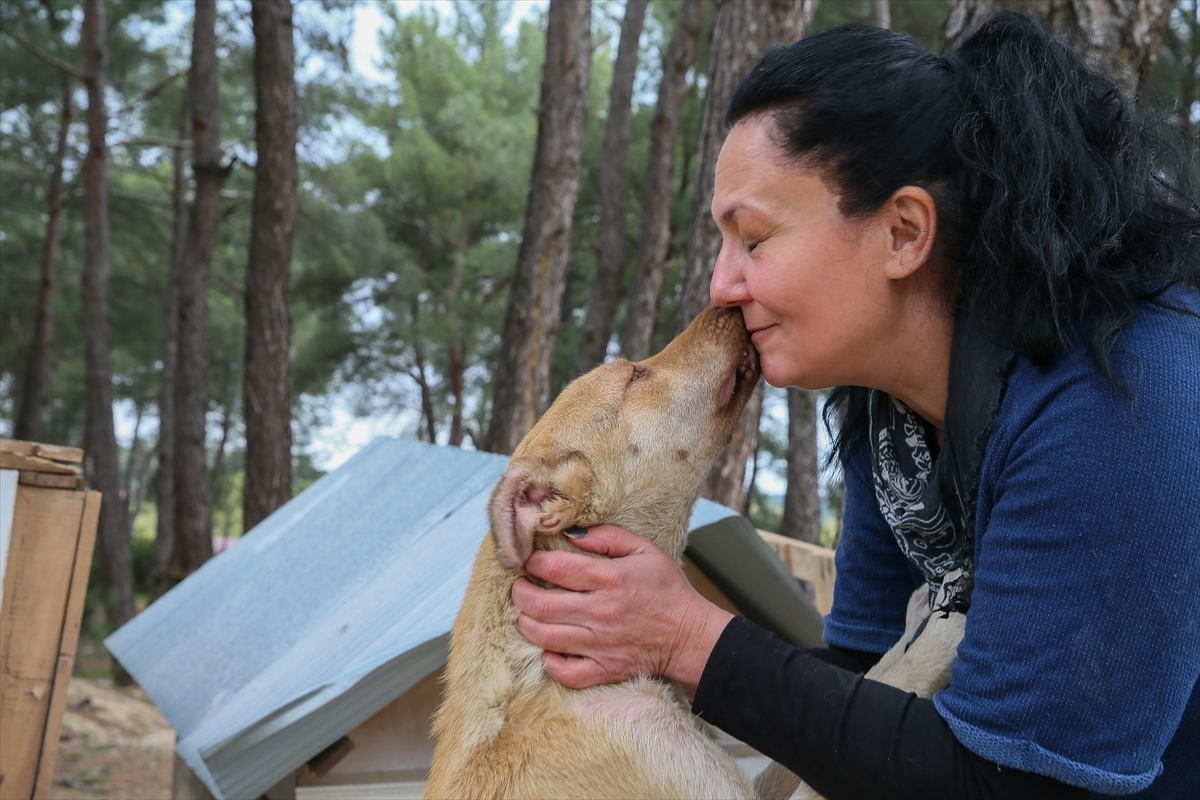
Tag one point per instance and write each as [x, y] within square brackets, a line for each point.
[752, 177]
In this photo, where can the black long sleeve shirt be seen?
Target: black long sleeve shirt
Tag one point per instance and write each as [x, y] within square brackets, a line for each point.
[845, 735]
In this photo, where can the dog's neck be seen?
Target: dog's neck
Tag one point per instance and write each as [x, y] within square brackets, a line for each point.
[666, 528]
[665, 524]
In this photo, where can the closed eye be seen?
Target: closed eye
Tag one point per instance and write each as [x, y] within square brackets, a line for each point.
[638, 372]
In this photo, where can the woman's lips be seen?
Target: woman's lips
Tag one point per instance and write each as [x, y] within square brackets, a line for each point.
[758, 334]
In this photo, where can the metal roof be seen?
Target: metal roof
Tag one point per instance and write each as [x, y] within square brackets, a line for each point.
[331, 608]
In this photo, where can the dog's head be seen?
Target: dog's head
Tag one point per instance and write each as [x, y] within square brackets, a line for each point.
[629, 443]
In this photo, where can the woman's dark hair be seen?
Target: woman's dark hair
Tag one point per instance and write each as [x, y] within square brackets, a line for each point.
[1060, 205]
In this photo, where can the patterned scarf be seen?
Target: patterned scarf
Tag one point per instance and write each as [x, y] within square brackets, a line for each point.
[929, 501]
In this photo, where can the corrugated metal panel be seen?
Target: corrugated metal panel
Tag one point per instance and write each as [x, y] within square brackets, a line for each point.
[366, 565]
[327, 611]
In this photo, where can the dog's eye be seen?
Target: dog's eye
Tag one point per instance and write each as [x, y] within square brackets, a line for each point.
[638, 372]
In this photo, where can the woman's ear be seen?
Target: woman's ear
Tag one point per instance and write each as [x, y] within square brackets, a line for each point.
[910, 225]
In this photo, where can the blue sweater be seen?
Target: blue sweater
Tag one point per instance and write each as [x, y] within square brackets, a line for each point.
[1082, 647]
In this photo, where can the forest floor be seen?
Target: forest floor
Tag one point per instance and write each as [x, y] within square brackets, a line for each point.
[114, 744]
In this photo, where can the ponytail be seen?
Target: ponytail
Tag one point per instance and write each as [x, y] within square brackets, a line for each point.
[1075, 207]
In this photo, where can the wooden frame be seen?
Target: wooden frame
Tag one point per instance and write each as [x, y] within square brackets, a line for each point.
[808, 562]
[48, 557]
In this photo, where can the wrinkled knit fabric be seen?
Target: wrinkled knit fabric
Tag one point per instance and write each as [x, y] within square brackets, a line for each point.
[1082, 645]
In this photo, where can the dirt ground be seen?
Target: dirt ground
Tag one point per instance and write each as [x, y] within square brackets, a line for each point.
[114, 745]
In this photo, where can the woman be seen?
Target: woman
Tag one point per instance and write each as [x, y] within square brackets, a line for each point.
[992, 256]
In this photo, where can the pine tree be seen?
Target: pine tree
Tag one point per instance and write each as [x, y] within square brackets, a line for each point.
[641, 306]
[742, 32]
[610, 265]
[522, 377]
[193, 540]
[268, 371]
[100, 441]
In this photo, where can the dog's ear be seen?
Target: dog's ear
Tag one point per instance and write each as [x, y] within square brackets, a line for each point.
[526, 505]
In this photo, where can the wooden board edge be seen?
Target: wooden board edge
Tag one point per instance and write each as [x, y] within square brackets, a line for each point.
[54, 452]
[31, 463]
[85, 544]
[54, 716]
[812, 563]
[49, 480]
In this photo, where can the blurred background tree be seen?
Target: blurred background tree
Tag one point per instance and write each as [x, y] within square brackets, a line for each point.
[412, 178]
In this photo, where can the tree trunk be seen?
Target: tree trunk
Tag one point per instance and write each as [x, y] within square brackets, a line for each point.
[193, 545]
[216, 476]
[802, 501]
[457, 390]
[881, 11]
[455, 349]
[610, 263]
[268, 373]
[135, 448]
[751, 487]
[741, 34]
[31, 416]
[100, 441]
[140, 483]
[641, 307]
[164, 539]
[523, 373]
[1127, 34]
[1187, 91]
[418, 375]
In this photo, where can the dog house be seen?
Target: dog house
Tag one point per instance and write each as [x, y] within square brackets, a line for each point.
[304, 661]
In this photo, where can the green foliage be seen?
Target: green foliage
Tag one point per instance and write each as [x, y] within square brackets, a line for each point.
[142, 546]
[448, 195]
[920, 19]
[766, 512]
[411, 204]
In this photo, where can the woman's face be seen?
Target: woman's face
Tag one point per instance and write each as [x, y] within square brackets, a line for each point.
[813, 286]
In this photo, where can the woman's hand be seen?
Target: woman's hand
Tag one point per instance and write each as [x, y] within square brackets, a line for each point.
[614, 619]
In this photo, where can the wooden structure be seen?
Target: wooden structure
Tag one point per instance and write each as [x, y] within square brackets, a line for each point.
[810, 563]
[303, 661]
[390, 754]
[47, 533]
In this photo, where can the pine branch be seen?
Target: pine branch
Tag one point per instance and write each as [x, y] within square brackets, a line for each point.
[156, 141]
[153, 92]
[50, 59]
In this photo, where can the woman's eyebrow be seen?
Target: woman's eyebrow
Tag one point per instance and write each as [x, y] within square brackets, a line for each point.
[728, 214]
[750, 205]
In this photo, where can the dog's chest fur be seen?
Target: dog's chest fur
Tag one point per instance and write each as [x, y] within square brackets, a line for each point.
[517, 733]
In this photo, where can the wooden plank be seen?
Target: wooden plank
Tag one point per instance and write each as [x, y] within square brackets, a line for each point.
[44, 763]
[707, 589]
[30, 463]
[54, 452]
[49, 480]
[22, 710]
[187, 786]
[68, 645]
[320, 764]
[39, 573]
[808, 562]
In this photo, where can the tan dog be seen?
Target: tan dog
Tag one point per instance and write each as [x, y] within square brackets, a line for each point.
[920, 665]
[626, 444]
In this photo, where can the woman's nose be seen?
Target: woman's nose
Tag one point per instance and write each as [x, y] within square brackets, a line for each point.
[728, 285]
